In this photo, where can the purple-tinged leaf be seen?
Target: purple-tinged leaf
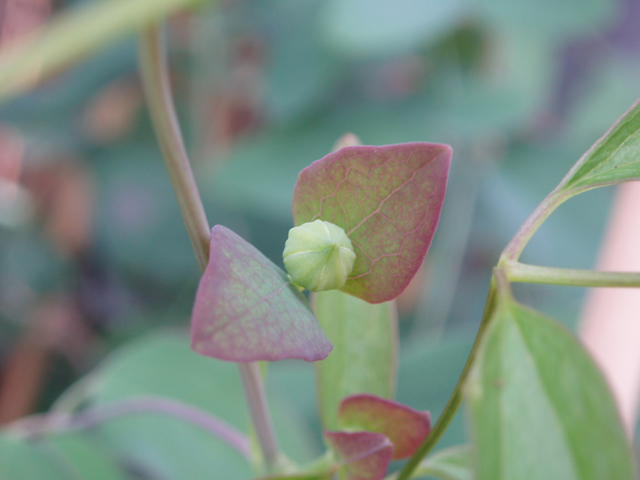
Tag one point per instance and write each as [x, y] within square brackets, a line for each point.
[247, 309]
[404, 426]
[388, 200]
[363, 455]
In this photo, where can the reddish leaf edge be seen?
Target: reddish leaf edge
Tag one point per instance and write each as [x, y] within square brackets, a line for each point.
[309, 352]
[406, 433]
[361, 455]
[445, 155]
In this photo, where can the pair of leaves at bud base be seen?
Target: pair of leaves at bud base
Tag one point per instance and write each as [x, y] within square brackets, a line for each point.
[386, 199]
[373, 432]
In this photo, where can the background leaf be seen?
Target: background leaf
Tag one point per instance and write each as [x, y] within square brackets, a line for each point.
[247, 309]
[74, 35]
[404, 426]
[557, 18]
[388, 201]
[453, 463]
[20, 460]
[86, 456]
[163, 447]
[382, 27]
[540, 407]
[614, 158]
[363, 359]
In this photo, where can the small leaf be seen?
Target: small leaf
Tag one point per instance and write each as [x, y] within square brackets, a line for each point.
[453, 463]
[363, 455]
[363, 360]
[614, 158]
[388, 200]
[405, 427]
[247, 309]
[540, 407]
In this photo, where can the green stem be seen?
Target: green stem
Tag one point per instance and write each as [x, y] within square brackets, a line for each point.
[456, 397]
[155, 81]
[251, 377]
[521, 272]
[154, 74]
[530, 226]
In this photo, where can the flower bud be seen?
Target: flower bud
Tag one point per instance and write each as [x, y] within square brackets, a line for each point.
[318, 256]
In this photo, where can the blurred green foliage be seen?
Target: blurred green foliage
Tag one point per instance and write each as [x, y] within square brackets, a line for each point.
[519, 89]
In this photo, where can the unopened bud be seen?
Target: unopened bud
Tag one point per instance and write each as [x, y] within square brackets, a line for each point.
[318, 256]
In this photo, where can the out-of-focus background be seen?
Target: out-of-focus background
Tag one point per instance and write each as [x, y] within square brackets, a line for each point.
[94, 258]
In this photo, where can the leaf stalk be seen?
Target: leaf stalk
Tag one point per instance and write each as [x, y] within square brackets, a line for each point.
[515, 247]
[456, 397]
[521, 272]
[154, 74]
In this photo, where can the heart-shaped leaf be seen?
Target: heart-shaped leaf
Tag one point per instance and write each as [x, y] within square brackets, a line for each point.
[363, 455]
[388, 201]
[540, 407]
[404, 426]
[247, 309]
[614, 158]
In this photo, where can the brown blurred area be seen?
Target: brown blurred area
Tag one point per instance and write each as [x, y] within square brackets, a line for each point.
[23, 369]
[62, 189]
[63, 192]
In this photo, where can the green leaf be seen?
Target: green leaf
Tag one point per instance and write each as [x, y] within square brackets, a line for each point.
[363, 359]
[553, 18]
[453, 463]
[247, 309]
[379, 27]
[540, 407]
[74, 35]
[25, 461]
[162, 446]
[301, 74]
[88, 459]
[614, 158]
[163, 364]
[388, 201]
[405, 427]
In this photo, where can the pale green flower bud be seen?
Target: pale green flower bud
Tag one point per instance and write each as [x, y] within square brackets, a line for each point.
[318, 256]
